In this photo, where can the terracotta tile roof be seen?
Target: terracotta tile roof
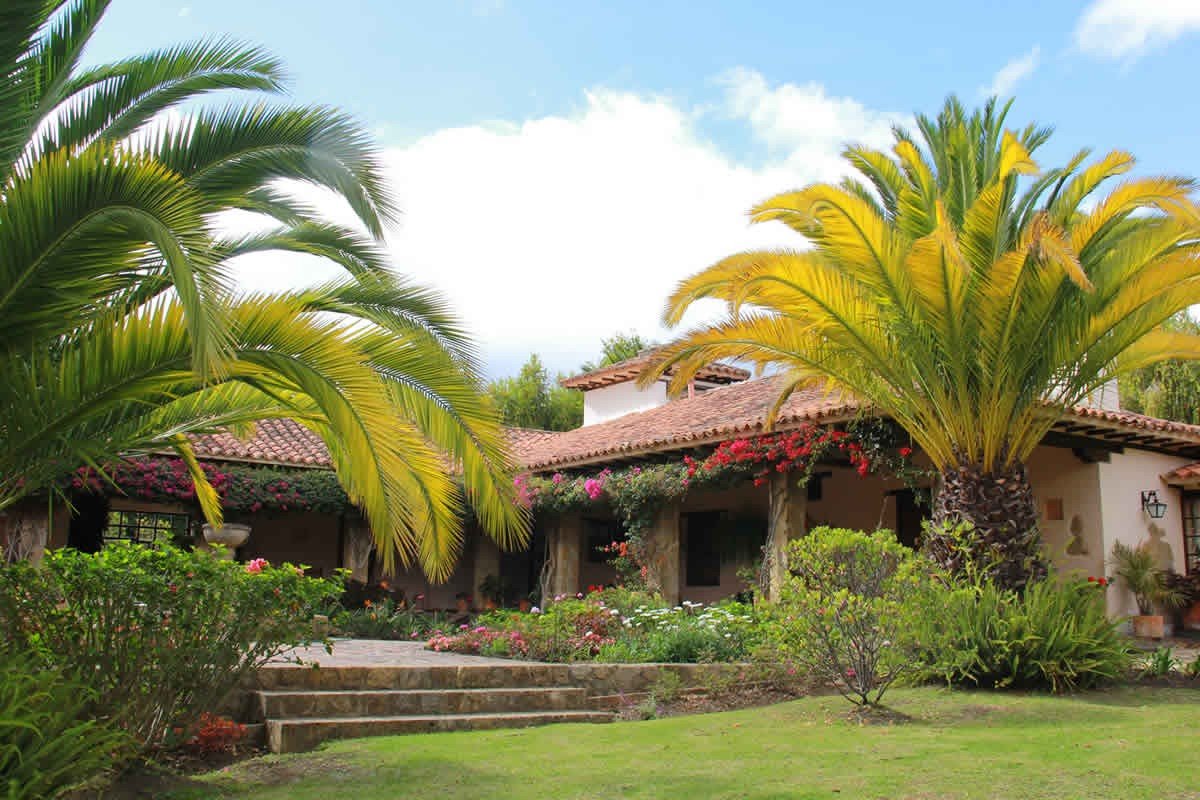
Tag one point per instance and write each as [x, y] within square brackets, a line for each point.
[1130, 420]
[707, 418]
[275, 441]
[286, 442]
[740, 409]
[521, 439]
[630, 368]
[1187, 475]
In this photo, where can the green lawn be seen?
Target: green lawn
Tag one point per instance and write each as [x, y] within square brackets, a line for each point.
[1126, 743]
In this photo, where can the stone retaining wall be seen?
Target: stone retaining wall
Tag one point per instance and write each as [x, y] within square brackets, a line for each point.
[608, 679]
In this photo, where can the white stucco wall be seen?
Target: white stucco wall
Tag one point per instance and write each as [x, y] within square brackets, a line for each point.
[1122, 481]
[1107, 397]
[610, 402]
[1075, 543]
[1102, 505]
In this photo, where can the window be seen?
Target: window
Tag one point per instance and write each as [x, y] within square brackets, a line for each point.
[703, 551]
[599, 534]
[911, 514]
[146, 527]
[1191, 532]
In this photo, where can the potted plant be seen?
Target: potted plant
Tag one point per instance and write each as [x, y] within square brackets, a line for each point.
[493, 588]
[1188, 587]
[1137, 567]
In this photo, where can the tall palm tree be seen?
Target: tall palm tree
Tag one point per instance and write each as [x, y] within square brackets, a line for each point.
[120, 330]
[971, 297]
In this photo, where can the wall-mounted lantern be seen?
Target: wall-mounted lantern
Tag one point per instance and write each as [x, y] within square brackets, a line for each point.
[1152, 505]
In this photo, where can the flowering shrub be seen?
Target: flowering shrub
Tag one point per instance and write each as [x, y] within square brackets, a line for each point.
[590, 629]
[480, 640]
[241, 488]
[637, 494]
[158, 634]
[217, 734]
[689, 632]
[843, 610]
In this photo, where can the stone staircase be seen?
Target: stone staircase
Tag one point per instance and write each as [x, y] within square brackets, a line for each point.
[304, 706]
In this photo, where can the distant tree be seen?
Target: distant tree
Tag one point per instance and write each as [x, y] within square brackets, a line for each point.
[533, 399]
[617, 347]
[1169, 389]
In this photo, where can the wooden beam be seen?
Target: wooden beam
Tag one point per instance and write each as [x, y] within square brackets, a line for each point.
[1066, 441]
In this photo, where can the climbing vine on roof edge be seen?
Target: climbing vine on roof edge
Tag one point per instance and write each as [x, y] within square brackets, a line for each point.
[636, 495]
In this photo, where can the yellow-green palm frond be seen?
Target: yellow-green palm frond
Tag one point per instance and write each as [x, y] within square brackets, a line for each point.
[960, 304]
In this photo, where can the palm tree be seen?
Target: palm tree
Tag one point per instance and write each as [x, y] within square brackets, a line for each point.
[961, 291]
[120, 331]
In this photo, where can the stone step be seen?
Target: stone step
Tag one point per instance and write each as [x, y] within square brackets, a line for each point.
[474, 676]
[274, 704]
[298, 735]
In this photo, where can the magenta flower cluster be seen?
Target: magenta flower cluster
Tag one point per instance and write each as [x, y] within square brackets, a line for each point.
[241, 488]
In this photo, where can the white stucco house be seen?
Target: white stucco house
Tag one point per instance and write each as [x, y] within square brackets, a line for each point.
[1097, 477]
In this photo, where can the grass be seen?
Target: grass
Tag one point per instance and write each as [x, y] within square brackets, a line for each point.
[1129, 742]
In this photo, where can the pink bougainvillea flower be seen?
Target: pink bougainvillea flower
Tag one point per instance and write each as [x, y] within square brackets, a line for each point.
[257, 565]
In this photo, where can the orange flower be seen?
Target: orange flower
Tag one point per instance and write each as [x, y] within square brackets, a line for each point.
[367, 603]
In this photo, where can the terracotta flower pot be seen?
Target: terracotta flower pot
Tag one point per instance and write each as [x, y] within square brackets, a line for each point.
[1148, 626]
[1191, 617]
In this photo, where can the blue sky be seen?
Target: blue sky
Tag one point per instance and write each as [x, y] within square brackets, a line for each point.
[607, 150]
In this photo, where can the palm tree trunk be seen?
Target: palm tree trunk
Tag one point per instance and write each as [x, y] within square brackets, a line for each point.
[1000, 508]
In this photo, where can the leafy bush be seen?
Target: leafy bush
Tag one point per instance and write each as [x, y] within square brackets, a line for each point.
[385, 620]
[159, 634]
[47, 743]
[1053, 635]
[1160, 663]
[841, 612]
[591, 630]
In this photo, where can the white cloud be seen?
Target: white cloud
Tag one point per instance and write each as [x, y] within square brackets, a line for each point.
[550, 234]
[185, 11]
[1012, 73]
[1127, 28]
[803, 123]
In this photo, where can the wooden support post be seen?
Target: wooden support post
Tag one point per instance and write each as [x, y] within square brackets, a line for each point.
[356, 549]
[566, 551]
[663, 546]
[788, 506]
